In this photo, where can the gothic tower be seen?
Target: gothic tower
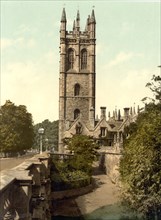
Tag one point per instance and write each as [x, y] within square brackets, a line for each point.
[77, 74]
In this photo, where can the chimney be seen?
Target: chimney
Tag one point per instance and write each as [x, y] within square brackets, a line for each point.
[103, 112]
[92, 116]
[126, 113]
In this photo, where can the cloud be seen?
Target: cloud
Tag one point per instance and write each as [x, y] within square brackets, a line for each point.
[22, 29]
[129, 89]
[31, 43]
[34, 84]
[5, 43]
[49, 57]
[25, 43]
[123, 57]
[120, 58]
[138, 76]
[21, 37]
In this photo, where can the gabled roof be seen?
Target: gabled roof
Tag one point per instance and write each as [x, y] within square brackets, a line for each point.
[71, 130]
[102, 123]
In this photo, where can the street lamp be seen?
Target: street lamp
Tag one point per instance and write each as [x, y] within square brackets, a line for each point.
[41, 132]
[46, 141]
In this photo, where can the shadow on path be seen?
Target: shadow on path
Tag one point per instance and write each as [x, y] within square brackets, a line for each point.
[87, 203]
[100, 204]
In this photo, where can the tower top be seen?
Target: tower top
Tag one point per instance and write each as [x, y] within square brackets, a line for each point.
[78, 16]
[74, 25]
[78, 21]
[63, 17]
[92, 19]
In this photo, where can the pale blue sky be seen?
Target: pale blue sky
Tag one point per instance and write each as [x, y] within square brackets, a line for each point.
[128, 51]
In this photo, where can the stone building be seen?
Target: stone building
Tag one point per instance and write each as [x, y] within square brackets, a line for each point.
[77, 82]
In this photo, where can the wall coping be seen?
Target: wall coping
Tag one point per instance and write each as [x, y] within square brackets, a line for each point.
[20, 172]
[55, 195]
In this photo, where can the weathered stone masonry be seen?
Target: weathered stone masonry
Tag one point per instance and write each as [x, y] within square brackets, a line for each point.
[77, 74]
[77, 89]
[25, 190]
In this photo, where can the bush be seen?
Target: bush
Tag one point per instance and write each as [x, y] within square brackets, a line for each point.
[75, 172]
[65, 179]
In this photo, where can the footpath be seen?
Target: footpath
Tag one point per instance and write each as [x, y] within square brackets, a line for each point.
[104, 193]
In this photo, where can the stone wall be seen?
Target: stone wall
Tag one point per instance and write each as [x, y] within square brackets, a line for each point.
[25, 190]
[110, 159]
[71, 192]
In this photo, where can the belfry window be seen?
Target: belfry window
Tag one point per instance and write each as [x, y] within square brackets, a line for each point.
[76, 113]
[71, 58]
[76, 89]
[84, 59]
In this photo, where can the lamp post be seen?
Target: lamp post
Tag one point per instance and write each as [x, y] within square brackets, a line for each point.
[41, 132]
[46, 141]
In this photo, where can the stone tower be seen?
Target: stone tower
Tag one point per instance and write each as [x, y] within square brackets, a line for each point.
[77, 75]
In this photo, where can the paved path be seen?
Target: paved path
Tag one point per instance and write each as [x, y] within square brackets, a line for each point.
[8, 163]
[105, 193]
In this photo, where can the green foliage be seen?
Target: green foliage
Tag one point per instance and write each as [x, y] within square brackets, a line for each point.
[64, 178]
[85, 152]
[155, 87]
[16, 128]
[76, 171]
[51, 133]
[140, 166]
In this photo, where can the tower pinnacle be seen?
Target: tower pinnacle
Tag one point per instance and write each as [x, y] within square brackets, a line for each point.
[93, 20]
[78, 21]
[78, 16]
[74, 25]
[63, 17]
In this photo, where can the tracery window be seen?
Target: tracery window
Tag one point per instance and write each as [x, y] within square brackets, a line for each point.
[71, 58]
[76, 89]
[76, 113]
[84, 59]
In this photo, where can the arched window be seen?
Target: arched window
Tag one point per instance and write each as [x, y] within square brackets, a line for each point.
[70, 58]
[76, 89]
[76, 113]
[84, 59]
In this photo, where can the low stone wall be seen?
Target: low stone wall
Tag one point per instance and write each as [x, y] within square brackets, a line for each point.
[112, 167]
[25, 190]
[71, 193]
[111, 160]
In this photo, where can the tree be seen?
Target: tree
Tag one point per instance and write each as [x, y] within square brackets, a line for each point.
[50, 133]
[155, 87]
[16, 128]
[85, 152]
[140, 166]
